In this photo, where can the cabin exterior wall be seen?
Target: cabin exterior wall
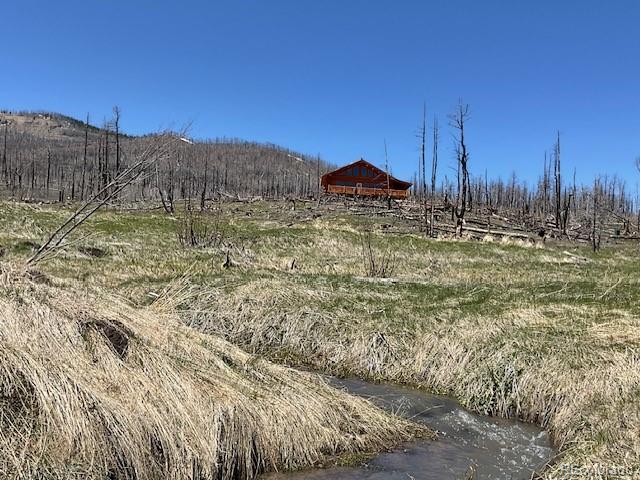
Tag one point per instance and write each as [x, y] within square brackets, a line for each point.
[364, 179]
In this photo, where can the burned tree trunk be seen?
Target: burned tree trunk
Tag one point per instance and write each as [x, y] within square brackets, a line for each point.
[458, 120]
[5, 169]
[48, 171]
[558, 181]
[116, 123]
[84, 159]
[595, 237]
[434, 169]
[423, 169]
[73, 179]
[203, 193]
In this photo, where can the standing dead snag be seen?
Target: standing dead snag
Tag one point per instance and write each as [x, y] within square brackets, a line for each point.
[84, 159]
[5, 169]
[562, 201]
[595, 235]
[203, 193]
[457, 121]
[423, 171]
[116, 124]
[545, 191]
[319, 180]
[167, 201]
[106, 176]
[434, 169]
[558, 181]
[565, 211]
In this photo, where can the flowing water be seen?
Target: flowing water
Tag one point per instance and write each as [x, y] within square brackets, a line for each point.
[496, 448]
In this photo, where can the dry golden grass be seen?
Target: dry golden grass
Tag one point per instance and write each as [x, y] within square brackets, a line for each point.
[91, 387]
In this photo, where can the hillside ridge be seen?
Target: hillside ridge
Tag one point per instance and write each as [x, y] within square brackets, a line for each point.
[43, 156]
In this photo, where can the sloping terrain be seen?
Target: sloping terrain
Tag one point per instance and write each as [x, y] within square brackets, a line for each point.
[47, 126]
[43, 157]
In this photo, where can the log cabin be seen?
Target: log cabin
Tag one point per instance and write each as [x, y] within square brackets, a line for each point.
[362, 178]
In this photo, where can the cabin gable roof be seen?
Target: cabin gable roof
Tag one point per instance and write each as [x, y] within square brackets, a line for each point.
[379, 175]
[362, 162]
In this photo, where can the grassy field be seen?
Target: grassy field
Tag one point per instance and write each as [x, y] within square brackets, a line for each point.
[546, 333]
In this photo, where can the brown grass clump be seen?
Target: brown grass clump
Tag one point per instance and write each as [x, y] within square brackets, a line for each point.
[93, 388]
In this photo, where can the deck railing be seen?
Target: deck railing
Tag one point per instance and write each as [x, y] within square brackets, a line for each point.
[367, 191]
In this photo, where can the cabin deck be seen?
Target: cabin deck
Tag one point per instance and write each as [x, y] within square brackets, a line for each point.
[367, 191]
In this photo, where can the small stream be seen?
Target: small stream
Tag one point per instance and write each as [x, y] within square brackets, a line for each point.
[496, 448]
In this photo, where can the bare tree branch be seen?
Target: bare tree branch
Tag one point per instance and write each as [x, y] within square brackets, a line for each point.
[159, 148]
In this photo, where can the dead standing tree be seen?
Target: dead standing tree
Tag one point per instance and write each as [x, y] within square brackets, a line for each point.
[203, 192]
[558, 181]
[595, 233]
[457, 121]
[84, 159]
[166, 187]
[5, 167]
[434, 169]
[562, 201]
[116, 124]
[423, 170]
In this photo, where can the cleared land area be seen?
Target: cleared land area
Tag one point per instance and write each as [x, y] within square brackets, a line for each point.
[546, 333]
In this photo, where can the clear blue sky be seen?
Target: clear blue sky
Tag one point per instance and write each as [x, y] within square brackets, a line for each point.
[339, 77]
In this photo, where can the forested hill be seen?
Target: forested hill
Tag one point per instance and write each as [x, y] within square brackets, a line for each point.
[53, 157]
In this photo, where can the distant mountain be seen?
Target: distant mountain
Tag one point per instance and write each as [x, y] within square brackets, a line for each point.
[42, 157]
